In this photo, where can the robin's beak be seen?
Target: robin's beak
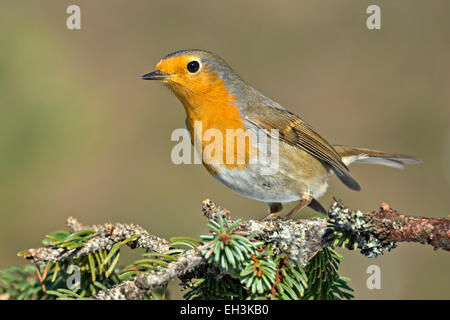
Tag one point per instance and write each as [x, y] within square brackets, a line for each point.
[155, 75]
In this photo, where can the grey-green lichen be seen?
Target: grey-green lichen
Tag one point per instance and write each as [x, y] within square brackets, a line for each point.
[354, 230]
[298, 240]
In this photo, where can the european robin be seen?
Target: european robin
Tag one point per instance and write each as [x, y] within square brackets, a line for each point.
[211, 92]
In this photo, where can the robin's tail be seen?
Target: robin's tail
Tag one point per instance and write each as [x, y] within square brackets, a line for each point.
[351, 154]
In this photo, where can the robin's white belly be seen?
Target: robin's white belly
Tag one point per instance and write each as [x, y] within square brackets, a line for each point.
[252, 184]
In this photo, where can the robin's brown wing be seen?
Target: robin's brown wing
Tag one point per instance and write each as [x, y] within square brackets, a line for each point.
[295, 131]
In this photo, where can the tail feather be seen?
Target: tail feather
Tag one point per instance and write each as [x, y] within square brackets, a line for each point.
[362, 155]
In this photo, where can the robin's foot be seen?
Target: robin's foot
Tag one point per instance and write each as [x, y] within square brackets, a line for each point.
[275, 209]
[271, 216]
[306, 200]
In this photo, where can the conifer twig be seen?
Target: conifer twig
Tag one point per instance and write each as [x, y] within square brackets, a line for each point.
[106, 236]
[373, 233]
[301, 239]
[144, 283]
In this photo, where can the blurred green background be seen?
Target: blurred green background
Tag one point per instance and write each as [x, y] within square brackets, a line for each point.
[82, 135]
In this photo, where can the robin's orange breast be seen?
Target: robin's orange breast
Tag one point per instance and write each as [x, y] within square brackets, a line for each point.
[214, 120]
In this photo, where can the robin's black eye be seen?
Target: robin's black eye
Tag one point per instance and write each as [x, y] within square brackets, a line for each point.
[193, 66]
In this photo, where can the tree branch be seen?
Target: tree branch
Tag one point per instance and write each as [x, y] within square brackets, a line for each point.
[394, 226]
[301, 239]
[143, 283]
[106, 235]
[373, 233]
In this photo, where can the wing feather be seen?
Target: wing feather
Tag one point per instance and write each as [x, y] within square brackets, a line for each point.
[293, 130]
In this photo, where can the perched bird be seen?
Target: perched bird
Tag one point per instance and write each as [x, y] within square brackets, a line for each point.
[211, 92]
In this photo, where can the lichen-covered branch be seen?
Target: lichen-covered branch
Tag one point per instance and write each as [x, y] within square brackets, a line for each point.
[299, 240]
[105, 237]
[378, 231]
[143, 283]
[397, 227]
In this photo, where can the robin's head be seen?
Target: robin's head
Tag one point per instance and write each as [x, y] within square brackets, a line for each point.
[210, 92]
[192, 71]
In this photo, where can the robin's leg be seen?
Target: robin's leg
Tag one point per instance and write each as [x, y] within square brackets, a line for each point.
[274, 210]
[306, 200]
